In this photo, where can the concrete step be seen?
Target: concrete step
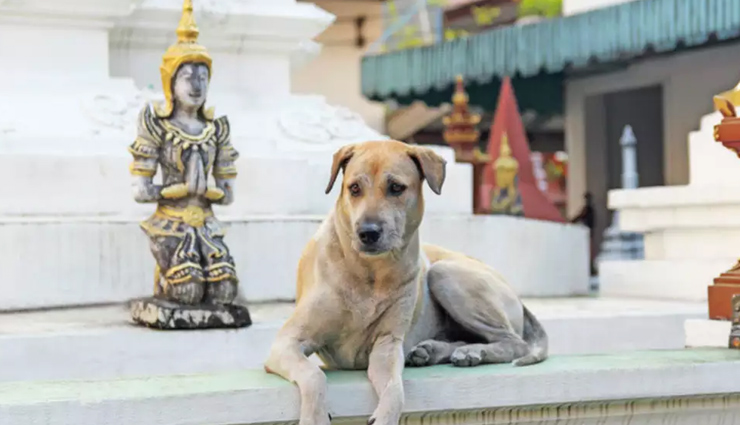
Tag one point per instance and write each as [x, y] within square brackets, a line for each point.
[688, 386]
[661, 279]
[100, 343]
[705, 333]
[704, 244]
[71, 261]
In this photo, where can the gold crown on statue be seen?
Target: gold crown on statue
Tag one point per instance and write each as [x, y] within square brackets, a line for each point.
[186, 50]
[505, 161]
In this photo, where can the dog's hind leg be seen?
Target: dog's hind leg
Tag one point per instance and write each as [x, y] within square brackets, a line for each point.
[431, 352]
[477, 301]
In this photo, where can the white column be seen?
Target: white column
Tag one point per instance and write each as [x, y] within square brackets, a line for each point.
[628, 142]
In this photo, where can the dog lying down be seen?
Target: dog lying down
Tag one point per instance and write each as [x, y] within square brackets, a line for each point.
[371, 296]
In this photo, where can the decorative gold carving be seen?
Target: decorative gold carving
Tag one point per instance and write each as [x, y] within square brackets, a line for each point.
[194, 216]
[143, 169]
[184, 273]
[214, 194]
[175, 191]
[725, 102]
[179, 135]
[725, 106]
[191, 215]
[219, 272]
[225, 173]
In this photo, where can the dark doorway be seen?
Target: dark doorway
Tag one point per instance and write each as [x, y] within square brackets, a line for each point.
[606, 117]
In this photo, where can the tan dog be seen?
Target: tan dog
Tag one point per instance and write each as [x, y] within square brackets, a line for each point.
[370, 297]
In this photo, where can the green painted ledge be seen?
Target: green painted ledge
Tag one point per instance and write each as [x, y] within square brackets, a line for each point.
[252, 396]
[165, 386]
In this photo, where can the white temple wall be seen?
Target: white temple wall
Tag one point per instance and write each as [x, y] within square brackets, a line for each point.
[335, 73]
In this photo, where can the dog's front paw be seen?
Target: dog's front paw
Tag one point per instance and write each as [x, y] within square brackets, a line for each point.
[467, 356]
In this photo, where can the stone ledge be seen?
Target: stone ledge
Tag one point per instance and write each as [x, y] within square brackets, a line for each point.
[266, 253]
[250, 397]
[705, 333]
[58, 342]
[678, 279]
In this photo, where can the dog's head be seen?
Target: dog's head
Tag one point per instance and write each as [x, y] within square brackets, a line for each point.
[381, 193]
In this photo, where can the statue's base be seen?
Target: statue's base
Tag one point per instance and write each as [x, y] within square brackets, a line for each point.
[157, 313]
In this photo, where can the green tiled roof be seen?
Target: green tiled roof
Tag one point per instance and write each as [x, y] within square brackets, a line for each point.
[613, 34]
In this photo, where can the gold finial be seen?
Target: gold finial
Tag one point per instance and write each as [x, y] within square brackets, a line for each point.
[187, 31]
[186, 50]
[460, 98]
[725, 102]
[505, 161]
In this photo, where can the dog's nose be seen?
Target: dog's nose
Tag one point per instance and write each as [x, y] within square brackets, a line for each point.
[369, 233]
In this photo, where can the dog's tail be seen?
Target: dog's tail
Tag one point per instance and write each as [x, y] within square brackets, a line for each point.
[534, 335]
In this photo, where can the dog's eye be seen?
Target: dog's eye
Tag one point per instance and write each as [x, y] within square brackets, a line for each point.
[354, 189]
[395, 189]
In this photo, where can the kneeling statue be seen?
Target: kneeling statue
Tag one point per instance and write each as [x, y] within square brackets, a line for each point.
[195, 278]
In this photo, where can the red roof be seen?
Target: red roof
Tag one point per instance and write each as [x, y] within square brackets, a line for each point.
[508, 120]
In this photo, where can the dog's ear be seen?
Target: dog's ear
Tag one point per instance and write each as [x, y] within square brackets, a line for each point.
[431, 166]
[341, 157]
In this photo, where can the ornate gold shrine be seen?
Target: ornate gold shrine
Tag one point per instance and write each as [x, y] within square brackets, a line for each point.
[461, 133]
[724, 293]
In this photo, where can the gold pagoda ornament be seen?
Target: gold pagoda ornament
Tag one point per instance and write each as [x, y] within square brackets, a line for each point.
[461, 128]
[185, 50]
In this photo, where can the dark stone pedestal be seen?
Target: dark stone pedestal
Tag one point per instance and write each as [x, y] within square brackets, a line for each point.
[157, 313]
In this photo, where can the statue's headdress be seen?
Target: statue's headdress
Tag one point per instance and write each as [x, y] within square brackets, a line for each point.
[506, 161]
[186, 50]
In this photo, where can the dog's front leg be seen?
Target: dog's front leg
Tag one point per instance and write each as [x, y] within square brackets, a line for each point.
[384, 370]
[288, 359]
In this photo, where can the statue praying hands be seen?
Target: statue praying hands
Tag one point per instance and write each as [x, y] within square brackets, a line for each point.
[195, 272]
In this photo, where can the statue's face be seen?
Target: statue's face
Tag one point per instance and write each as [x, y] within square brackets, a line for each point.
[191, 85]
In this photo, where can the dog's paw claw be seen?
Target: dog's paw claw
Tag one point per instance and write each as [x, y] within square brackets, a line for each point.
[371, 421]
[330, 417]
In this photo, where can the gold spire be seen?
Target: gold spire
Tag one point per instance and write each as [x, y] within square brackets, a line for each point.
[186, 50]
[187, 31]
[505, 161]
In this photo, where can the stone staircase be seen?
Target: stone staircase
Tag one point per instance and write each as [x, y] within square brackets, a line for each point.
[101, 343]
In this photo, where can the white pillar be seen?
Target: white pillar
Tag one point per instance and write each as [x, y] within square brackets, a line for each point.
[619, 245]
[628, 142]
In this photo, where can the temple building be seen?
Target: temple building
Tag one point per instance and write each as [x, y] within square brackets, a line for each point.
[579, 79]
